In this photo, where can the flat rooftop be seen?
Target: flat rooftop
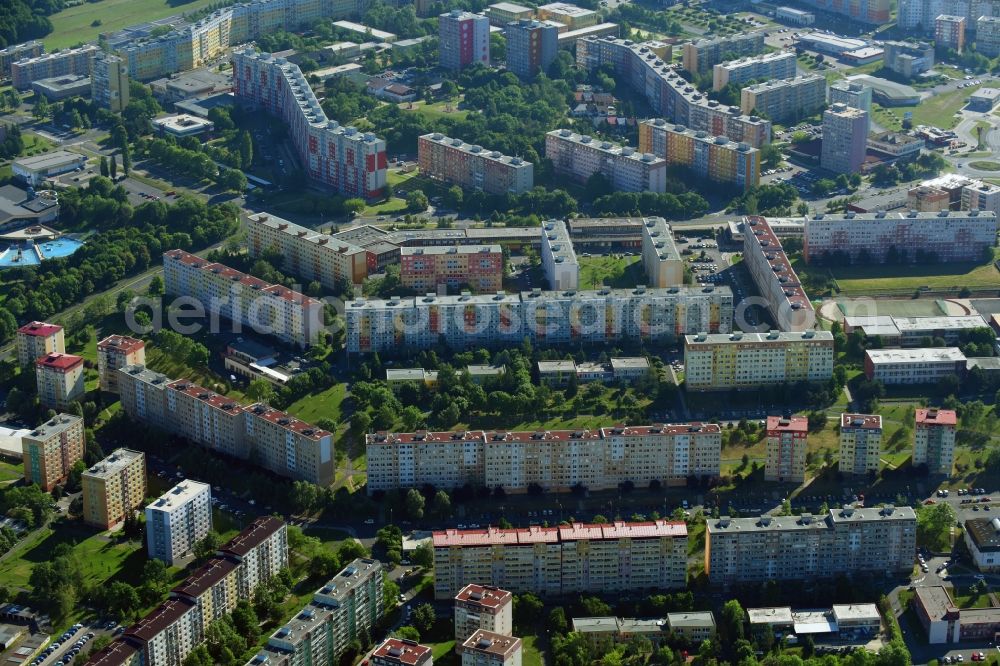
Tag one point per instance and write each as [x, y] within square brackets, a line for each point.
[54, 426]
[863, 421]
[178, 496]
[114, 463]
[53, 160]
[779, 615]
[918, 355]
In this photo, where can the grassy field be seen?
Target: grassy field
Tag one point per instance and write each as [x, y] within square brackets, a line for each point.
[325, 405]
[613, 271]
[876, 278]
[437, 110]
[985, 166]
[75, 25]
[964, 599]
[938, 110]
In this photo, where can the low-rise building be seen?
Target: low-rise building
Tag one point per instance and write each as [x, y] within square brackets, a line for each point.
[923, 365]
[181, 125]
[62, 87]
[429, 269]
[982, 538]
[556, 374]
[945, 622]
[934, 439]
[502, 13]
[59, 379]
[115, 352]
[114, 488]
[50, 450]
[722, 362]
[984, 100]
[793, 16]
[860, 443]
[38, 339]
[483, 607]
[787, 444]
[36, 170]
[568, 14]
[485, 648]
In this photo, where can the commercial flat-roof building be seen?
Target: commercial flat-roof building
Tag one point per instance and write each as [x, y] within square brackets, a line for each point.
[568, 14]
[723, 362]
[367, 33]
[982, 537]
[182, 124]
[702, 55]
[569, 559]
[483, 607]
[713, 157]
[878, 540]
[860, 443]
[581, 156]
[62, 87]
[179, 519]
[785, 100]
[776, 65]
[38, 338]
[36, 170]
[50, 450]
[794, 16]
[787, 445]
[922, 365]
[776, 280]
[114, 488]
[553, 460]
[472, 167]
[945, 622]
[559, 262]
[502, 13]
[872, 237]
[934, 439]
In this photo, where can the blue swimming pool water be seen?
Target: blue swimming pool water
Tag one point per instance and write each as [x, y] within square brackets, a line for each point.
[27, 254]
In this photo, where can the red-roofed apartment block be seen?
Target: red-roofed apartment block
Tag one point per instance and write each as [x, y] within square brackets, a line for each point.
[60, 379]
[934, 439]
[38, 339]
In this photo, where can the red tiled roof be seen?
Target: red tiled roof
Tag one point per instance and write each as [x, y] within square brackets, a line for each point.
[57, 361]
[115, 653]
[204, 578]
[252, 536]
[39, 328]
[795, 423]
[210, 398]
[287, 421]
[237, 276]
[122, 343]
[937, 416]
[484, 595]
[159, 619]
[402, 651]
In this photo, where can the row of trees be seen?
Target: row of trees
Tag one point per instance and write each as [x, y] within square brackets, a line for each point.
[196, 163]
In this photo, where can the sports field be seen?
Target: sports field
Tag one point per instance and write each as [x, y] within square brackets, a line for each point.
[878, 279]
[75, 25]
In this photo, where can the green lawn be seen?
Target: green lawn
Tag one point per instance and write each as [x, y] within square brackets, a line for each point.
[964, 599]
[325, 405]
[437, 110]
[985, 166]
[34, 144]
[878, 278]
[531, 654]
[75, 25]
[10, 471]
[938, 110]
[612, 270]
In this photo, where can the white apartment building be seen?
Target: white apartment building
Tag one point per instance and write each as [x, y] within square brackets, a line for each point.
[577, 558]
[485, 648]
[36, 339]
[552, 460]
[179, 519]
[949, 236]
[860, 443]
[877, 540]
[923, 365]
[777, 65]
[722, 362]
[774, 276]
[305, 253]
[483, 607]
[267, 309]
[663, 263]
[934, 439]
[544, 317]
[581, 156]
[562, 269]
[981, 196]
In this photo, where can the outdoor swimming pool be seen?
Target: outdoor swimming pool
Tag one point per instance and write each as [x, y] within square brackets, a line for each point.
[30, 254]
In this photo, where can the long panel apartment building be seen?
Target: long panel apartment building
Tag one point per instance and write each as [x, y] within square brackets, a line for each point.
[15, 52]
[774, 276]
[552, 460]
[50, 450]
[713, 157]
[948, 236]
[351, 162]
[672, 97]
[871, 12]
[570, 559]
[473, 167]
[544, 317]
[58, 63]
[268, 309]
[785, 100]
[580, 156]
[778, 65]
[721, 362]
[307, 254]
[701, 55]
[426, 269]
[878, 540]
[347, 608]
[271, 438]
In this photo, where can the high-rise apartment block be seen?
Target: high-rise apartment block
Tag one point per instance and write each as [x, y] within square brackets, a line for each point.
[860, 443]
[58, 63]
[531, 46]
[553, 460]
[15, 52]
[988, 35]
[877, 237]
[785, 100]
[486, 648]
[38, 339]
[577, 558]
[777, 65]
[346, 608]
[701, 55]
[483, 607]
[844, 139]
[114, 352]
[179, 519]
[776, 280]
[646, 69]
[853, 94]
[271, 438]
[401, 652]
[559, 262]
[268, 309]
[50, 450]
[464, 39]
[544, 317]
[307, 254]
[109, 87]
[871, 12]
[723, 362]
[426, 269]
[934, 439]
[59, 379]
[787, 441]
[949, 32]
[846, 541]
[580, 156]
[473, 167]
[114, 488]
[663, 263]
[981, 196]
[713, 157]
[351, 162]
